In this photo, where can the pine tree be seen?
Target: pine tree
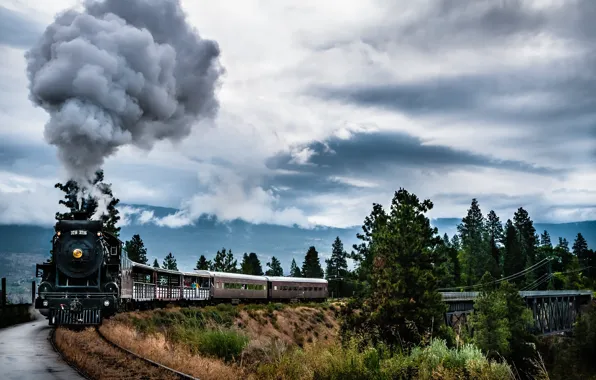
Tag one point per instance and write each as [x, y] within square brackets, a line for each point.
[294, 270]
[203, 263]
[450, 270]
[337, 265]
[363, 252]
[511, 261]
[311, 267]
[169, 262]
[275, 268]
[495, 236]
[471, 231]
[251, 264]
[155, 264]
[224, 262]
[545, 239]
[403, 277]
[218, 262]
[87, 204]
[527, 241]
[580, 250]
[456, 242]
[135, 249]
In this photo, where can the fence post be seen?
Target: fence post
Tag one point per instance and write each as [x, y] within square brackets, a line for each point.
[33, 292]
[3, 299]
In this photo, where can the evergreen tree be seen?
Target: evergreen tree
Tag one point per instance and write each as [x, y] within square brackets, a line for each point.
[203, 263]
[155, 264]
[489, 320]
[224, 262]
[337, 265]
[402, 279]
[79, 200]
[275, 268]
[230, 263]
[251, 264]
[294, 270]
[471, 231]
[363, 254]
[450, 270]
[545, 239]
[580, 250]
[135, 249]
[500, 322]
[169, 262]
[511, 261]
[218, 261]
[455, 242]
[311, 267]
[495, 238]
[527, 242]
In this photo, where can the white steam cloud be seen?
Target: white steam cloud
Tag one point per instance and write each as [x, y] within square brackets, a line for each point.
[119, 73]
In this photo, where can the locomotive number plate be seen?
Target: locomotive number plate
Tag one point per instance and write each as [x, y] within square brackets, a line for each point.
[78, 232]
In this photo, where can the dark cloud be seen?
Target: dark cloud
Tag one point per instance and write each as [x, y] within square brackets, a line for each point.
[572, 109]
[556, 97]
[368, 153]
[448, 23]
[17, 30]
[13, 151]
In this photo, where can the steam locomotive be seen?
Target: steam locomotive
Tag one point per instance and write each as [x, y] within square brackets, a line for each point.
[89, 277]
[80, 283]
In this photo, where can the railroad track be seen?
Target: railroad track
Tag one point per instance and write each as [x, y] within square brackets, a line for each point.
[179, 374]
[52, 339]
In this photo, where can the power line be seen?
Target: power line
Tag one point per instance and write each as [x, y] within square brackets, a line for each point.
[510, 277]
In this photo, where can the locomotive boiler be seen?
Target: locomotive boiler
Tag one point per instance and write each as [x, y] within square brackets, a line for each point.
[80, 283]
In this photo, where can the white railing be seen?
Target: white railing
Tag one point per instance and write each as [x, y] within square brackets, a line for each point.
[196, 293]
[143, 291]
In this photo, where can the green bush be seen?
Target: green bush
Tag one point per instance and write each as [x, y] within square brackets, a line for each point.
[224, 344]
[435, 361]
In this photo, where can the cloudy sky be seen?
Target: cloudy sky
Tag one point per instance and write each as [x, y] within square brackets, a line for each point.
[327, 107]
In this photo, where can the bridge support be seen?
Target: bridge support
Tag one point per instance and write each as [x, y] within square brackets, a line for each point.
[553, 314]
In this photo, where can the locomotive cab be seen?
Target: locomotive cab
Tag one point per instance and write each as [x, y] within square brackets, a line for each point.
[80, 283]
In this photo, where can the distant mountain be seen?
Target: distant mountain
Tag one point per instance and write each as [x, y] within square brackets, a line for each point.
[208, 235]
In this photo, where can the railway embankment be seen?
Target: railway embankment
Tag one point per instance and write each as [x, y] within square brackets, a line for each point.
[279, 341]
[224, 341]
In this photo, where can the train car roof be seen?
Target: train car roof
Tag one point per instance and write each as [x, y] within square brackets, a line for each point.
[197, 273]
[149, 267]
[238, 276]
[297, 279]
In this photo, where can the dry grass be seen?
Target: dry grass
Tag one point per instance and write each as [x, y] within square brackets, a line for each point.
[294, 326]
[156, 348]
[101, 361]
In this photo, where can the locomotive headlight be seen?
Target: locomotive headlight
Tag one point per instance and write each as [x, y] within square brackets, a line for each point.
[98, 233]
[106, 303]
[45, 303]
[77, 253]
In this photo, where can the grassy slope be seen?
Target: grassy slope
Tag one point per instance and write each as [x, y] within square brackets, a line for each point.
[281, 342]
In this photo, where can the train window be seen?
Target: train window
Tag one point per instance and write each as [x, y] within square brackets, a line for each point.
[275, 287]
[114, 251]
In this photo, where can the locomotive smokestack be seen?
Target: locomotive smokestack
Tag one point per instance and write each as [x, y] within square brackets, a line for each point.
[79, 215]
[121, 73]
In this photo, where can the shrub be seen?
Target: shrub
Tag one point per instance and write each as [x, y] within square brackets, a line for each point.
[223, 344]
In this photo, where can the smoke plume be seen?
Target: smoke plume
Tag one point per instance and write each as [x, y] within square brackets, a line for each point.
[119, 73]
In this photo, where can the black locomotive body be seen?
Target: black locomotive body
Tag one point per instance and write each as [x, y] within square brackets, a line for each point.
[80, 285]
